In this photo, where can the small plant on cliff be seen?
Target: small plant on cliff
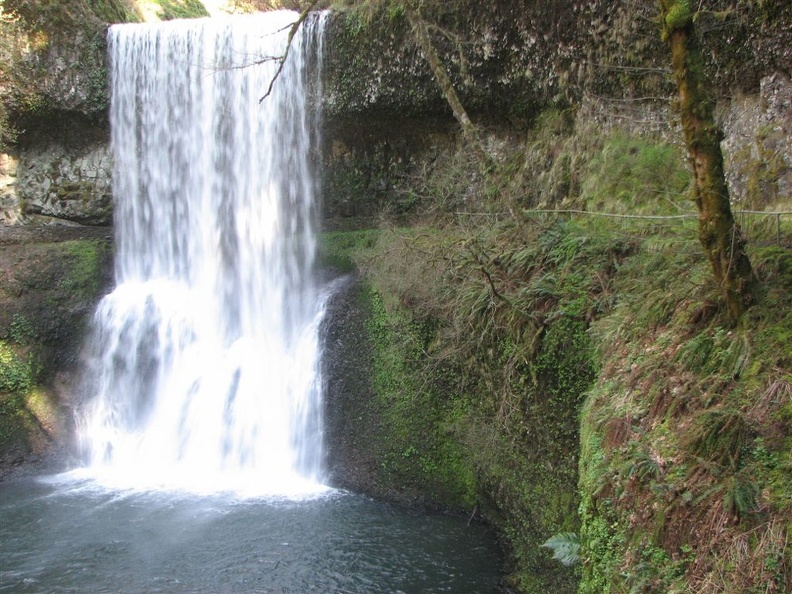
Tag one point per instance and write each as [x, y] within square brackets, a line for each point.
[21, 331]
[565, 547]
[16, 372]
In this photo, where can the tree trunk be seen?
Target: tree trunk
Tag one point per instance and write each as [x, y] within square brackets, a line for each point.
[723, 242]
[424, 42]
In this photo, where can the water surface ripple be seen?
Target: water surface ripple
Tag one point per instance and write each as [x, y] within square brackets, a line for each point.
[71, 539]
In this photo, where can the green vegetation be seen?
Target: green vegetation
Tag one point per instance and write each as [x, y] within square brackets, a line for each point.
[181, 9]
[17, 371]
[676, 432]
[573, 378]
[21, 331]
[497, 371]
[19, 400]
[565, 547]
[84, 261]
[27, 418]
[44, 299]
[719, 234]
[636, 177]
[29, 30]
[576, 376]
[115, 11]
[419, 451]
[336, 248]
[52, 16]
[17, 364]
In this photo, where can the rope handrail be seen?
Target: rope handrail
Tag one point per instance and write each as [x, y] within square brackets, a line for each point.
[613, 215]
[777, 214]
[618, 215]
[764, 212]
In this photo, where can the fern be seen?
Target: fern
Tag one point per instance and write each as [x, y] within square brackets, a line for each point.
[565, 547]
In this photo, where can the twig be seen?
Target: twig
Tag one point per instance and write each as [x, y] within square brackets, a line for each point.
[473, 515]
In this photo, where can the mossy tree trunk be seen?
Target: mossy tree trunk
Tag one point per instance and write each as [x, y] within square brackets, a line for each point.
[424, 41]
[723, 242]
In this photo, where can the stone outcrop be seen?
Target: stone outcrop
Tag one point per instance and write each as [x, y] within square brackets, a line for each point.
[55, 95]
[346, 377]
[508, 59]
[67, 174]
[758, 143]
[60, 176]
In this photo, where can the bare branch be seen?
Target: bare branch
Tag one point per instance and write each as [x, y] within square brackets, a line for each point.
[292, 32]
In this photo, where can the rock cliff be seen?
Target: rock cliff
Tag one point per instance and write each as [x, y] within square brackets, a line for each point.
[384, 116]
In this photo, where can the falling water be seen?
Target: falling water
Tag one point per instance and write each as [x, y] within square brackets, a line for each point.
[204, 357]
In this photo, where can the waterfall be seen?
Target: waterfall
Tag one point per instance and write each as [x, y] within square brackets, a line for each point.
[204, 359]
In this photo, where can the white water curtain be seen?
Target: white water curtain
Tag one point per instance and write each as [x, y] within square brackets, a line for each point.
[204, 361]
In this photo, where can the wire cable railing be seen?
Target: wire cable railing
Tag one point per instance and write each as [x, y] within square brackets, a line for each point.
[739, 215]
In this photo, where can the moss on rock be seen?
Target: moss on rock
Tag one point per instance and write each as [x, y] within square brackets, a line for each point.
[181, 9]
[47, 292]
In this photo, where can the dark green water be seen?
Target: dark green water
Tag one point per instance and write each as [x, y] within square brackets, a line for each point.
[61, 538]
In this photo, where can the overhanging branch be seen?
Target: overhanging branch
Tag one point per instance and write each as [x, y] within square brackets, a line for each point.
[282, 59]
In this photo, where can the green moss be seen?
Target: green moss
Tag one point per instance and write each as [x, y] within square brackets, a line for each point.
[419, 451]
[181, 9]
[636, 175]
[115, 11]
[678, 16]
[17, 369]
[338, 250]
[84, 264]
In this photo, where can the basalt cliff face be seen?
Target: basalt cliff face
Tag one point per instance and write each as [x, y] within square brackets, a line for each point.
[385, 118]
[53, 113]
